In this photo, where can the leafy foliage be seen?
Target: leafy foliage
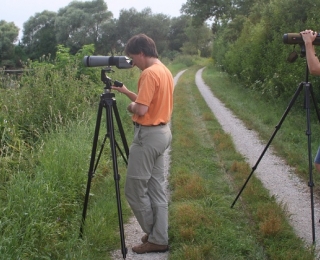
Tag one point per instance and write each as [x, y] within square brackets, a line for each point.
[80, 23]
[39, 36]
[201, 10]
[8, 35]
[198, 41]
[58, 92]
[46, 116]
[256, 54]
[132, 22]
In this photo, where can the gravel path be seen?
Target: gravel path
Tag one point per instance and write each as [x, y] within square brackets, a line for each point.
[273, 172]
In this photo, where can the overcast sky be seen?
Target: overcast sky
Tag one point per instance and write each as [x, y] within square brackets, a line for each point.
[19, 11]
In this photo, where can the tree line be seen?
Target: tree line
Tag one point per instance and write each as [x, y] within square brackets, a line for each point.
[245, 38]
[90, 22]
[248, 41]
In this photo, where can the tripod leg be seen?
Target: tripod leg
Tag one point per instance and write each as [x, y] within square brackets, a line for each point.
[278, 126]
[110, 126]
[123, 137]
[308, 92]
[91, 168]
[315, 103]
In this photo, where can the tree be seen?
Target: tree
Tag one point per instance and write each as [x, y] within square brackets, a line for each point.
[217, 10]
[201, 10]
[39, 35]
[177, 36]
[80, 23]
[250, 46]
[8, 36]
[156, 26]
[130, 23]
[198, 42]
[109, 42]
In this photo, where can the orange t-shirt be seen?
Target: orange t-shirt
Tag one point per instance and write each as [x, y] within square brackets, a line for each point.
[155, 90]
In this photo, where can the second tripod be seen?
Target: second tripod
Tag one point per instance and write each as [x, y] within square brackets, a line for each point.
[308, 97]
[107, 101]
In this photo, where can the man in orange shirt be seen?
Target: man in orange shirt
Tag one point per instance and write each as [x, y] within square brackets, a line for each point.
[151, 110]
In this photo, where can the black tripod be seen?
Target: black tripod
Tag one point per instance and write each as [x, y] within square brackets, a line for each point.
[108, 102]
[308, 92]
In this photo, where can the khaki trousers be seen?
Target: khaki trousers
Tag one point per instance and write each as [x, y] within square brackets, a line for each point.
[145, 182]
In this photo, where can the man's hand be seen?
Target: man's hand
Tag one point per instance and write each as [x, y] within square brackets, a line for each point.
[308, 36]
[313, 63]
[122, 89]
[131, 95]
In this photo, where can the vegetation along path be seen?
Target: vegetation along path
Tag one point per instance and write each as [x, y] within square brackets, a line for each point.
[273, 172]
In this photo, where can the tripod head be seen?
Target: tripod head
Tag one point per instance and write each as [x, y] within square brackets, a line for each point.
[108, 81]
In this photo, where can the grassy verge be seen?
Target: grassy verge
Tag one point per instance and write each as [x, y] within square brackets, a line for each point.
[206, 173]
[41, 207]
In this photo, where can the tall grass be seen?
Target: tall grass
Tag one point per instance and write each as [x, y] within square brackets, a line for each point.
[42, 206]
[47, 127]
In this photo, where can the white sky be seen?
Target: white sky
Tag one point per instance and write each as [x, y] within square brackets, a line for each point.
[19, 11]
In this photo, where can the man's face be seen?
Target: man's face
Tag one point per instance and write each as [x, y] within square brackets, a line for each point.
[138, 60]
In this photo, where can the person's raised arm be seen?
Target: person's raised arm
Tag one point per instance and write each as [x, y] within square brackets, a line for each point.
[312, 60]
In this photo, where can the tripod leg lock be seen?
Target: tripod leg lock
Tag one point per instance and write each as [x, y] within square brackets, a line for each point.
[310, 184]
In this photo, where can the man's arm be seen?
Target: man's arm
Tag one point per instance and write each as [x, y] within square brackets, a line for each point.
[312, 60]
[138, 109]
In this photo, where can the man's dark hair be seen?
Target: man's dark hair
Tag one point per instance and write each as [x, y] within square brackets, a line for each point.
[141, 43]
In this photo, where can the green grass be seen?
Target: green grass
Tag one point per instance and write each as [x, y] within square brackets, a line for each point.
[41, 208]
[206, 173]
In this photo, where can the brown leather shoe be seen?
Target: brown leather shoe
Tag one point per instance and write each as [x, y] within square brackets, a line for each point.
[144, 239]
[150, 247]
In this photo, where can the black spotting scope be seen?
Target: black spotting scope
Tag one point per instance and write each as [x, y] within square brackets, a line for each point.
[296, 38]
[121, 62]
